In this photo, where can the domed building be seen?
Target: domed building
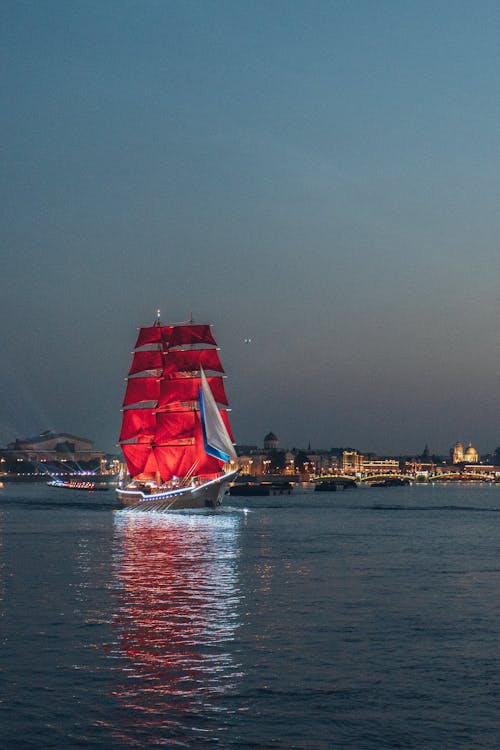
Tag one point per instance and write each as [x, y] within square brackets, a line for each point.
[458, 453]
[461, 456]
[470, 455]
[270, 442]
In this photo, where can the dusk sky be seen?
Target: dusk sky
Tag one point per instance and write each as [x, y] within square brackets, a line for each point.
[320, 177]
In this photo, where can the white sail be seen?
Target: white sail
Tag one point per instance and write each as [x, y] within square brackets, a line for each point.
[216, 437]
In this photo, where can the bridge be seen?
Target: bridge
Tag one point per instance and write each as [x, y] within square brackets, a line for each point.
[469, 476]
[418, 477]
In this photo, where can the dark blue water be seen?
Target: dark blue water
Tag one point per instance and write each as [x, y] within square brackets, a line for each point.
[366, 619]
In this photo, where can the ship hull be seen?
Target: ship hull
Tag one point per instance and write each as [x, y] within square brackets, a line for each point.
[207, 495]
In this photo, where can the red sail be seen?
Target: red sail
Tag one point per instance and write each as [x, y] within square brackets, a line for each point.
[153, 335]
[191, 360]
[151, 470]
[141, 389]
[187, 459]
[141, 461]
[186, 389]
[174, 428]
[147, 360]
[191, 334]
[138, 423]
[168, 443]
[136, 456]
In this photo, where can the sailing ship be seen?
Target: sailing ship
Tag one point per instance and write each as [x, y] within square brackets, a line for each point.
[175, 435]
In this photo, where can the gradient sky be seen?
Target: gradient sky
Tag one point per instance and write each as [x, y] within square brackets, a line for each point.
[322, 177]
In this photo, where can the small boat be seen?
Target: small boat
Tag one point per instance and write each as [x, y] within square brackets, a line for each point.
[175, 434]
[87, 486]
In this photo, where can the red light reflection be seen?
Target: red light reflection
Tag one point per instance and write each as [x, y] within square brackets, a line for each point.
[178, 611]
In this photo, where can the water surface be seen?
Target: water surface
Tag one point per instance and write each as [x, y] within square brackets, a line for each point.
[366, 619]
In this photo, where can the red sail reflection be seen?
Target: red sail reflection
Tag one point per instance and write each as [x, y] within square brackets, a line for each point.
[177, 614]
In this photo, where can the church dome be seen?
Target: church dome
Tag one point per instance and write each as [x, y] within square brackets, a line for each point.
[471, 455]
[270, 442]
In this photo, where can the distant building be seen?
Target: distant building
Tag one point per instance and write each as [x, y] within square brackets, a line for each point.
[54, 448]
[486, 470]
[460, 456]
[355, 463]
[352, 462]
[419, 468]
[271, 442]
[458, 453]
[243, 450]
[270, 460]
[381, 466]
[471, 455]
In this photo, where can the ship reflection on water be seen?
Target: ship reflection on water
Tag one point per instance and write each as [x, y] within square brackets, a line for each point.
[177, 613]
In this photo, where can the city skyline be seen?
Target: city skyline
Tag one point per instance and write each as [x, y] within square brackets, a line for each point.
[458, 452]
[319, 181]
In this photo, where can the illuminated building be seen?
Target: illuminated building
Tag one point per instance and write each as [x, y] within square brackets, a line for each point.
[355, 463]
[252, 461]
[381, 466]
[459, 455]
[352, 462]
[470, 455]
